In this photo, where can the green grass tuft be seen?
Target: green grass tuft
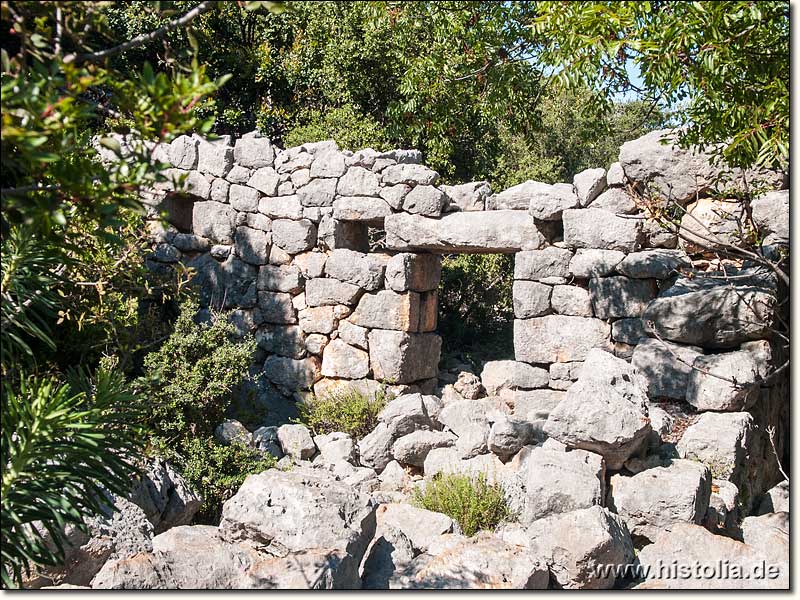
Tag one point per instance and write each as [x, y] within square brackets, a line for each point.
[347, 410]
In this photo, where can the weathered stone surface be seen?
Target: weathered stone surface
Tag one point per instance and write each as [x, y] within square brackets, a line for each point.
[412, 449]
[589, 184]
[290, 373]
[165, 496]
[508, 374]
[694, 545]
[659, 235]
[558, 338]
[294, 236]
[327, 292]
[447, 460]
[713, 313]
[353, 334]
[360, 208]
[775, 499]
[265, 439]
[654, 500]
[616, 175]
[771, 214]
[480, 562]
[363, 270]
[424, 200]
[468, 386]
[238, 174]
[539, 264]
[252, 245]
[293, 159]
[296, 441]
[214, 220]
[508, 435]
[232, 431]
[549, 202]
[253, 152]
[400, 357]
[318, 319]
[265, 180]
[183, 152]
[571, 300]
[531, 299]
[219, 190]
[466, 196]
[188, 242]
[706, 391]
[335, 447]
[390, 551]
[492, 231]
[666, 375]
[473, 440]
[311, 264]
[318, 192]
[654, 264]
[409, 173]
[358, 181]
[535, 406]
[280, 278]
[592, 262]
[616, 200]
[628, 331]
[620, 297]
[601, 229]
[276, 307]
[315, 343]
[243, 198]
[552, 482]
[459, 416]
[406, 414]
[375, 448]
[281, 207]
[421, 527]
[416, 272]
[299, 510]
[769, 534]
[259, 221]
[328, 162]
[575, 543]
[605, 411]
[342, 360]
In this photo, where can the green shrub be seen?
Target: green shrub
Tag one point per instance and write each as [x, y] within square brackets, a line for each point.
[218, 471]
[191, 377]
[346, 410]
[350, 128]
[474, 503]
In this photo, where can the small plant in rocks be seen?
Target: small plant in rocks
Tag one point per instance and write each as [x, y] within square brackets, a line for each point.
[473, 502]
[346, 409]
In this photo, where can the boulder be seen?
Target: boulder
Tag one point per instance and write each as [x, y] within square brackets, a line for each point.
[335, 447]
[291, 373]
[616, 200]
[358, 181]
[389, 552]
[571, 300]
[412, 449]
[518, 197]
[386, 309]
[710, 381]
[510, 374]
[665, 366]
[548, 202]
[468, 386]
[490, 231]
[769, 535]
[771, 214]
[265, 439]
[318, 319]
[353, 334]
[412, 174]
[280, 278]
[285, 340]
[459, 415]
[406, 414]
[420, 526]
[232, 431]
[588, 262]
[295, 440]
[775, 500]
[576, 543]
[317, 192]
[360, 208]
[540, 264]
[553, 482]
[589, 184]
[294, 236]
[655, 499]
[558, 338]
[424, 200]
[605, 411]
[448, 461]
[324, 291]
[654, 264]
[265, 180]
[508, 435]
[616, 175]
[253, 152]
[328, 162]
[531, 299]
[713, 562]
[466, 196]
[252, 245]
[473, 440]
[714, 313]
[480, 562]
[339, 359]
[214, 220]
[601, 229]
[620, 297]
[182, 152]
[400, 357]
[375, 448]
[282, 207]
[165, 496]
[629, 331]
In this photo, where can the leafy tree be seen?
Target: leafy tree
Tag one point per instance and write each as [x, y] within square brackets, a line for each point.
[723, 66]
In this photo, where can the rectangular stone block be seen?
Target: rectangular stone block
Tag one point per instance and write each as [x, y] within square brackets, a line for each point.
[388, 310]
[276, 307]
[415, 272]
[539, 264]
[602, 229]
[284, 340]
[328, 292]
[491, 231]
[620, 297]
[281, 278]
[531, 299]
[559, 338]
[400, 357]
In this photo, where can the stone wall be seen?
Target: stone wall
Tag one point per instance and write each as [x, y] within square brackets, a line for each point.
[282, 238]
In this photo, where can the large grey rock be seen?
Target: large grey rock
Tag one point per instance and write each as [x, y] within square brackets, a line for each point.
[510, 374]
[265, 439]
[188, 242]
[342, 360]
[535, 407]
[473, 440]
[400, 357]
[449, 461]
[592, 262]
[318, 192]
[712, 312]
[424, 200]
[183, 152]
[491, 231]
[552, 482]
[413, 174]
[214, 220]
[360, 208]
[616, 200]
[466, 196]
[508, 435]
[358, 181]
[412, 449]
[406, 414]
[243, 198]
[231, 431]
[707, 391]
[253, 152]
[419, 525]
[468, 386]
[616, 175]
[296, 441]
[281, 278]
[601, 229]
[335, 447]
[291, 373]
[329, 292]
[769, 534]
[375, 448]
[771, 214]
[558, 338]
[415, 272]
[276, 307]
[390, 551]
[328, 162]
[656, 499]
[165, 496]
[654, 264]
[480, 562]
[689, 544]
[605, 411]
[531, 299]
[293, 159]
[282, 207]
[390, 310]
[252, 245]
[363, 270]
[629, 331]
[265, 180]
[294, 236]
[198, 558]
[540, 264]
[548, 202]
[620, 297]
[300, 510]
[219, 190]
[571, 300]
[665, 366]
[459, 416]
[318, 319]
[576, 543]
[775, 499]
[589, 184]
